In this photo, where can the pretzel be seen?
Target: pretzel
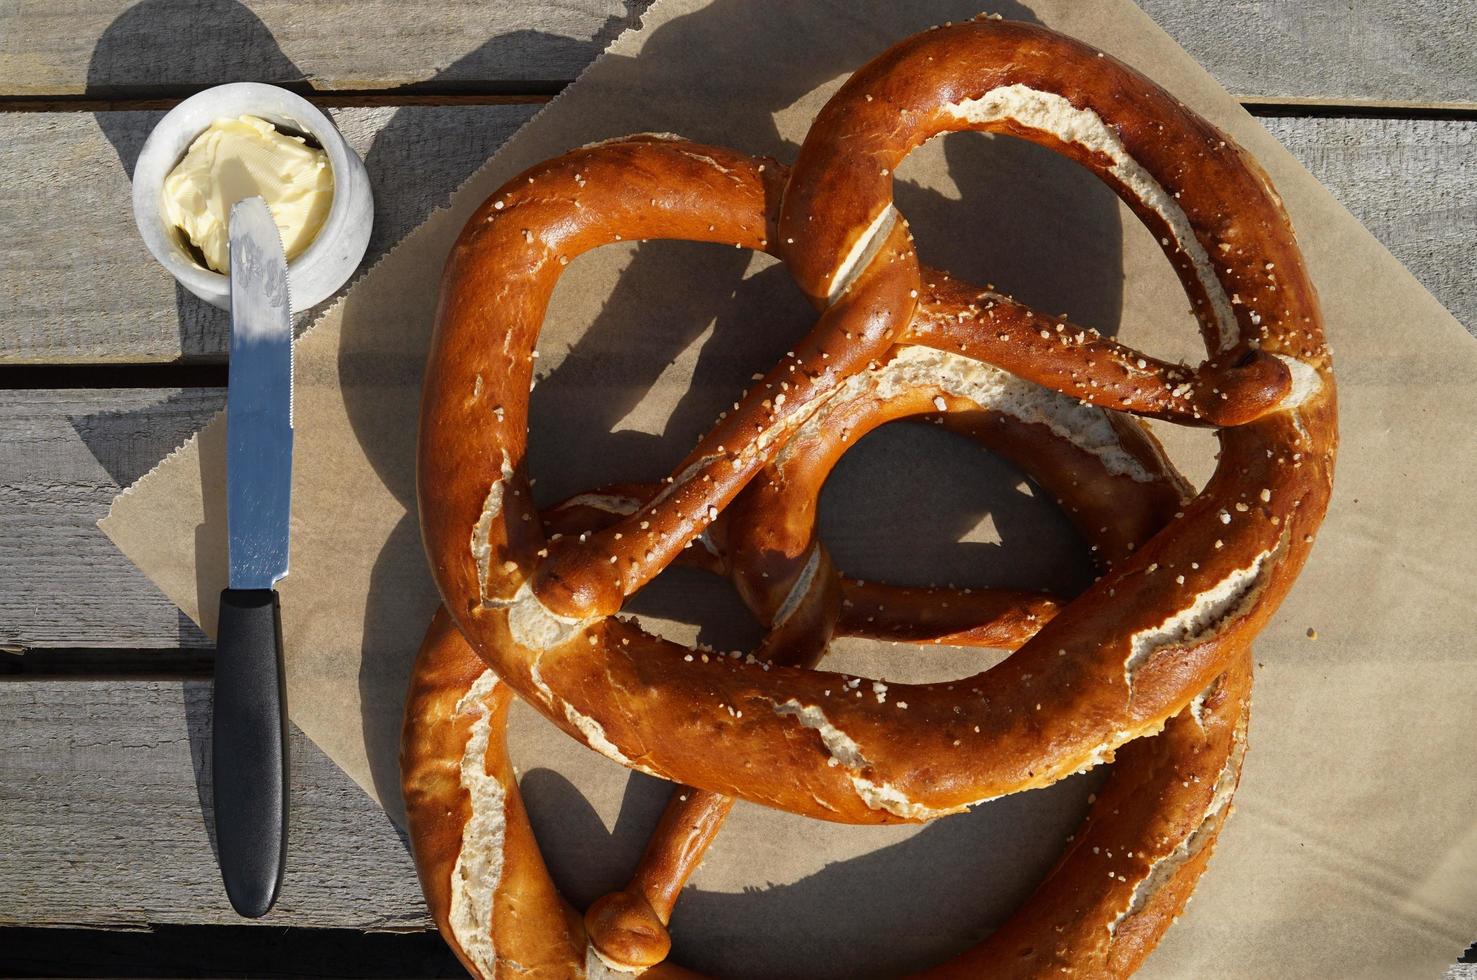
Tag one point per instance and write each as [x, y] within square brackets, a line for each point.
[1115, 664]
[1159, 812]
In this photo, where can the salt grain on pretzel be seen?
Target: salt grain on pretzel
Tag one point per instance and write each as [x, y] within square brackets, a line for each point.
[475, 852]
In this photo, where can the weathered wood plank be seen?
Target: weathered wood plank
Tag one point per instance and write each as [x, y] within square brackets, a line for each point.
[1411, 51]
[63, 455]
[101, 807]
[76, 282]
[1413, 182]
[124, 47]
[1386, 51]
[104, 810]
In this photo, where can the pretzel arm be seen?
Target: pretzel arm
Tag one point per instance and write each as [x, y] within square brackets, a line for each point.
[1001, 619]
[495, 902]
[1129, 870]
[1206, 202]
[1058, 354]
[587, 513]
[627, 928]
[1176, 776]
[479, 862]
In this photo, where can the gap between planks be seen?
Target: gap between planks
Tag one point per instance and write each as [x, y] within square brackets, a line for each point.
[538, 92]
[197, 950]
[1362, 109]
[208, 372]
[21, 663]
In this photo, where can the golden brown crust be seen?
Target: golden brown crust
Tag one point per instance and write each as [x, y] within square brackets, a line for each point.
[1160, 808]
[436, 807]
[1130, 868]
[629, 927]
[532, 925]
[1059, 354]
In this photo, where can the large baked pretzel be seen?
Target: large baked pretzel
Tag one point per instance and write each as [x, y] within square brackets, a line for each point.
[1121, 659]
[1119, 887]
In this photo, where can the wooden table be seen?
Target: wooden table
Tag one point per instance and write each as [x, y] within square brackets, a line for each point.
[105, 366]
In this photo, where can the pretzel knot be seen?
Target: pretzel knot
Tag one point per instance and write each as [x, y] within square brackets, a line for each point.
[1162, 632]
[1160, 812]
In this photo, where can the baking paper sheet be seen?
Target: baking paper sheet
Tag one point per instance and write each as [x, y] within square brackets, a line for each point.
[1353, 849]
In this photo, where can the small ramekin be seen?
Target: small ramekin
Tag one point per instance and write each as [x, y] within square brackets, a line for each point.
[334, 253]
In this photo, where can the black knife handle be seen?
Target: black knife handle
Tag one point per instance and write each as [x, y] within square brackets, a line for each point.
[249, 749]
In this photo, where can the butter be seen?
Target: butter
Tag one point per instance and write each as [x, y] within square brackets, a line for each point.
[245, 157]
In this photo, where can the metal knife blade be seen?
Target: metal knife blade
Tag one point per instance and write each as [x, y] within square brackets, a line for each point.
[259, 401]
[249, 723]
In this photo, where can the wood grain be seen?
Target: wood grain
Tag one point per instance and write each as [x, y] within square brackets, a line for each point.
[1405, 51]
[1401, 52]
[64, 298]
[63, 455]
[104, 825]
[128, 48]
[1412, 181]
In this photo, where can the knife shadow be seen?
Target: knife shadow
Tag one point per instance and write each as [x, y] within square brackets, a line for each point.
[198, 698]
[210, 543]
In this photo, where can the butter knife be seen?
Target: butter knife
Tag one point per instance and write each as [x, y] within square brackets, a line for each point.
[249, 724]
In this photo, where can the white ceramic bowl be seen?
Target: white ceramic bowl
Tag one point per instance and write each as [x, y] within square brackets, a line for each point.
[334, 254]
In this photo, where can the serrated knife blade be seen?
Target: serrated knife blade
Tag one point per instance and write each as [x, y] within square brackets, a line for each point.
[249, 724]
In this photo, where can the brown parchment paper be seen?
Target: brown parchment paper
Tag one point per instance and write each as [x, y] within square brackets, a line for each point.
[1353, 851]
